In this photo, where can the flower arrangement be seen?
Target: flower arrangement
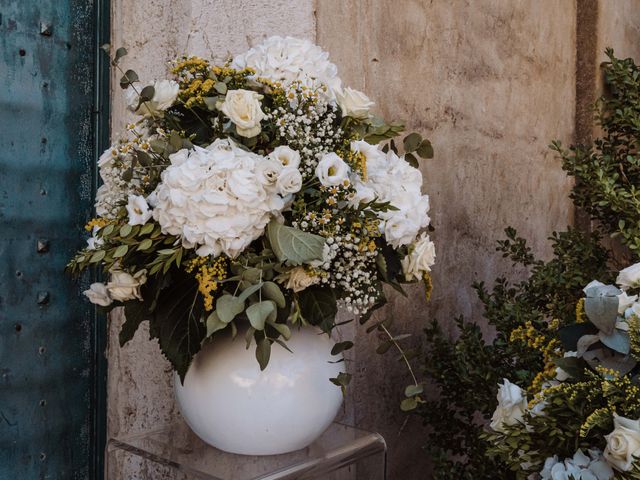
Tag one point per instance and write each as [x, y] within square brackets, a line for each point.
[584, 417]
[553, 394]
[257, 195]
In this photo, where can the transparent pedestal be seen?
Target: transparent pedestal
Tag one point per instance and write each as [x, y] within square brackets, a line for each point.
[176, 453]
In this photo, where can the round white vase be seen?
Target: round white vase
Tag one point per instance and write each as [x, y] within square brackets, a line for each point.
[232, 405]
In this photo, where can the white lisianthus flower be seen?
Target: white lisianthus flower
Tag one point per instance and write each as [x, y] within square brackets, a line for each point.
[138, 210]
[420, 259]
[286, 156]
[580, 467]
[623, 444]
[287, 60]
[332, 170]
[215, 200]
[123, 286]
[164, 96]
[354, 103]
[629, 277]
[625, 301]
[98, 294]
[299, 279]
[512, 403]
[244, 109]
[289, 181]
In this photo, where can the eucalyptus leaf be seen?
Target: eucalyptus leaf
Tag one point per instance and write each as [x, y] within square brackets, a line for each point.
[409, 404]
[425, 150]
[340, 347]
[294, 246]
[247, 292]
[602, 311]
[413, 390]
[411, 142]
[214, 324]
[147, 93]
[258, 313]
[263, 352]
[282, 329]
[228, 306]
[273, 292]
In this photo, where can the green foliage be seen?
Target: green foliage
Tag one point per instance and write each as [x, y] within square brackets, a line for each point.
[608, 173]
[466, 370]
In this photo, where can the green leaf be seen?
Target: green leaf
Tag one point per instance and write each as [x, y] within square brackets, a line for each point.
[128, 78]
[617, 340]
[282, 329]
[384, 347]
[294, 246]
[125, 230]
[602, 311]
[342, 380]
[214, 324]
[340, 347]
[177, 321]
[121, 251]
[220, 87]
[147, 93]
[227, 307]
[258, 313]
[413, 390]
[411, 159]
[210, 102]
[318, 306]
[108, 230]
[272, 291]
[120, 52]
[147, 228]
[250, 290]
[145, 244]
[96, 257]
[263, 352]
[570, 335]
[425, 150]
[409, 404]
[411, 142]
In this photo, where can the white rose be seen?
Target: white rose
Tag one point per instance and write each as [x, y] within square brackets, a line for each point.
[243, 109]
[422, 255]
[625, 301]
[299, 279]
[580, 466]
[268, 171]
[98, 294]
[623, 443]
[332, 170]
[353, 103]
[289, 181]
[164, 95]
[629, 277]
[286, 156]
[512, 403]
[138, 210]
[123, 286]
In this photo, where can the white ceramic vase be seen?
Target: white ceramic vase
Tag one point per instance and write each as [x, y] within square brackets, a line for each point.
[232, 405]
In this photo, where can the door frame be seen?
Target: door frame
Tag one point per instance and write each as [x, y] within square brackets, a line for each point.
[102, 140]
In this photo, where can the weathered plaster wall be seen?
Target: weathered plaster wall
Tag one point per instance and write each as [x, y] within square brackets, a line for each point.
[490, 83]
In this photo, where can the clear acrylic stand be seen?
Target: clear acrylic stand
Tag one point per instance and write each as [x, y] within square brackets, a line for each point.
[176, 453]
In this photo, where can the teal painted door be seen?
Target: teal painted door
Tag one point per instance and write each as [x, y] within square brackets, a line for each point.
[51, 126]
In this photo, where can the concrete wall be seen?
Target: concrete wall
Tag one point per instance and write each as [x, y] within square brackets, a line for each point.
[490, 82]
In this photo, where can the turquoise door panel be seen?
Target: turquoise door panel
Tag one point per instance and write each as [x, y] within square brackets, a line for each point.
[51, 126]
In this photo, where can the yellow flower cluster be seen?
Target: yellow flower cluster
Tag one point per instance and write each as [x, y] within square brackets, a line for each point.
[580, 315]
[208, 273]
[357, 161]
[95, 222]
[634, 336]
[428, 285]
[549, 349]
[192, 66]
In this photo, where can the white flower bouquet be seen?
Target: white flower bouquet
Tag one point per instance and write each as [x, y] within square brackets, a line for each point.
[583, 421]
[260, 194]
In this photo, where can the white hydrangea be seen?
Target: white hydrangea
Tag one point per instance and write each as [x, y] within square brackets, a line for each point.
[287, 60]
[217, 199]
[391, 179]
[580, 467]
